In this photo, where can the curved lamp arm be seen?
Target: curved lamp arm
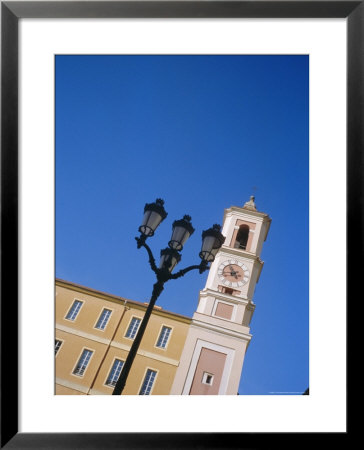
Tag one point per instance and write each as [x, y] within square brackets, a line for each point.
[161, 274]
[141, 243]
[201, 267]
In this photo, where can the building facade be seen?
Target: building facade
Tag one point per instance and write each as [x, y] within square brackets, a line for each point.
[93, 334]
[202, 355]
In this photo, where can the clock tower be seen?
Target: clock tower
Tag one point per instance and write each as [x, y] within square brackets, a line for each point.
[219, 335]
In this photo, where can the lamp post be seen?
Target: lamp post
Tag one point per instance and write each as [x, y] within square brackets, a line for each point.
[182, 229]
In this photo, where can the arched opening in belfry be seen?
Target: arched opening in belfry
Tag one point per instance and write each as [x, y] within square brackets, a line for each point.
[242, 237]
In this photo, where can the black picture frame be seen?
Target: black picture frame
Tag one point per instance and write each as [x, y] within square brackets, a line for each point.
[11, 12]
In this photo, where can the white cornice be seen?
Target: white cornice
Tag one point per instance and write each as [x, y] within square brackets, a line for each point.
[221, 331]
[96, 392]
[80, 333]
[235, 210]
[115, 344]
[72, 385]
[147, 354]
[227, 297]
[228, 251]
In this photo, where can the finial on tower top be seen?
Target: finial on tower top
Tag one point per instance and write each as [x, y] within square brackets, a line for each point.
[250, 204]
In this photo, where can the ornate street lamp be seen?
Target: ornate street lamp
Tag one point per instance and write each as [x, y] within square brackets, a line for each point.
[182, 230]
[169, 259]
[154, 214]
[212, 240]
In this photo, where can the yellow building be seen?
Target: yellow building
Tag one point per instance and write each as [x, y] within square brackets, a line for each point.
[94, 332]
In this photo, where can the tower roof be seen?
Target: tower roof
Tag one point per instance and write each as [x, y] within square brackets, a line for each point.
[250, 205]
[249, 208]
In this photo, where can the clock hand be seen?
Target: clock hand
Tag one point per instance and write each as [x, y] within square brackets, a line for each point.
[234, 272]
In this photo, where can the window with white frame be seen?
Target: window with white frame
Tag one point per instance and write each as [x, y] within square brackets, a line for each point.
[57, 346]
[148, 382]
[133, 328]
[114, 373]
[163, 337]
[75, 309]
[207, 378]
[103, 319]
[82, 363]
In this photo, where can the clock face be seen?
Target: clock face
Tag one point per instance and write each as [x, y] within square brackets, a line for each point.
[233, 273]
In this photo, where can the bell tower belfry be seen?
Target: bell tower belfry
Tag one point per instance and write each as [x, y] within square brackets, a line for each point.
[213, 356]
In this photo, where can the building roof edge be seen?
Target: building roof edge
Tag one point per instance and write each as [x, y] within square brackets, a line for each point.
[105, 295]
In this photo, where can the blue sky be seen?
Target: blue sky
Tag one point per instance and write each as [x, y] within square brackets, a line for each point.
[203, 133]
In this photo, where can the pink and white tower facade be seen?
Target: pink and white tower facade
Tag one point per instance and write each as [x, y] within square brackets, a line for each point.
[219, 335]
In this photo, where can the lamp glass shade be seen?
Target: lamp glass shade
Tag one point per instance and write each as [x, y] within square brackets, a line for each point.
[151, 220]
[182, 230]
[154, 213]
[169, 259]
[212, 240]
